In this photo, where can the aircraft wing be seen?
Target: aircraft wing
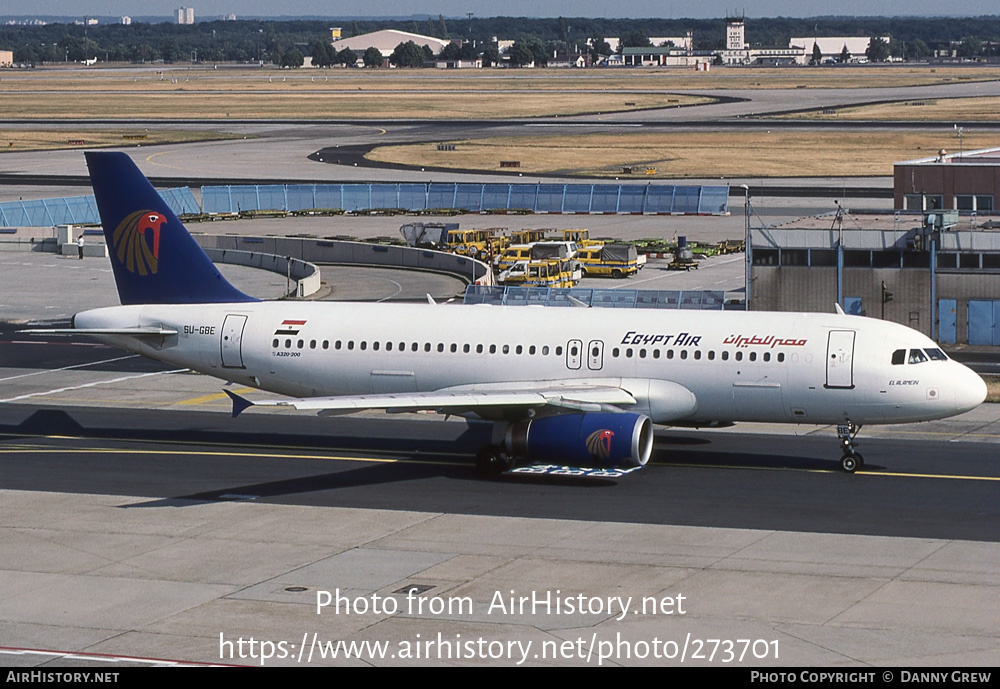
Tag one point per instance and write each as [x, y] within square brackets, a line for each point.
[570, 396]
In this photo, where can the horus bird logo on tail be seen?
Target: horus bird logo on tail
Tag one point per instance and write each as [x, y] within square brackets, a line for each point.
[136, 241]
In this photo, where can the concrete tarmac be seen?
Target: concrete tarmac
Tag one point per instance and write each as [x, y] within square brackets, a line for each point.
[137, 582]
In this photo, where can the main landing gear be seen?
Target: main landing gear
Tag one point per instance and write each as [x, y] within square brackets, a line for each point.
[492, 461]
[852, 460]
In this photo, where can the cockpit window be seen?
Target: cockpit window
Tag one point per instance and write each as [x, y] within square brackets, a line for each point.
[917, 356]
[936, 354]
[899, 357]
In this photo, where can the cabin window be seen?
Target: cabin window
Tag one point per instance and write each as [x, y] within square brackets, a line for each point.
[670, 354]
[506, 349]
[684, 354]
[781, 357]
[628, 352]
[531, 350]
[288, 344]
[767, 356]
[545, 350]
[739, 356]
[364, 345]
[642, 353]
[656, 353]
[454, 347]
[711, 355]
[467, 348]
[299, 344]
[374, 345]
[388, 346]
[697, 354]
[350, 345]
[518, 349]
[616, 352]
[725, 356]
[274, 343]
[493, 349]
[312, 344]
[559, 350]
[479, 349]
[753, 356]
[440, 346]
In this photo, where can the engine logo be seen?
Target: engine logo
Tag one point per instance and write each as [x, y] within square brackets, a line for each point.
[132, 243]
[599, 443]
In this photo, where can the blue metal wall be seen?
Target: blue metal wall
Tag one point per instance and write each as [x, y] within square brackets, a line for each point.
[79, 210]
[537, 198]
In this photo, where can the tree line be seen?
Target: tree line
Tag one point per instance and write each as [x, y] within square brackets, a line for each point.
[536, 40]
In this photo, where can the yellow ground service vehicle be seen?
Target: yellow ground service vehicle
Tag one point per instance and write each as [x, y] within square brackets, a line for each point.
[527, 236]
[581, 237]
[608, 260]
[479, 244]
[514, 253]
[546, 273]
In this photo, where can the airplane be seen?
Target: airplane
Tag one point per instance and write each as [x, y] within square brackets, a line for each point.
[565, 388]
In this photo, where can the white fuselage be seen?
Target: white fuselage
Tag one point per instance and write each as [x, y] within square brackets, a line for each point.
[756, 366]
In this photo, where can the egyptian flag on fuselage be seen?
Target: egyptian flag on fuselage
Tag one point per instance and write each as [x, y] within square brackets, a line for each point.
[289, 327]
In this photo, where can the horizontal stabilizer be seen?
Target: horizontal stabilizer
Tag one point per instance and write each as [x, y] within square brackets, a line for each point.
[240, 404]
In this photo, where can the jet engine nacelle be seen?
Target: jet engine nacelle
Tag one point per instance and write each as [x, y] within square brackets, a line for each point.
[586, 440]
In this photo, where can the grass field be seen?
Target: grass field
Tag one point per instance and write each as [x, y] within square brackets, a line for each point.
[44, 139]
[200, 92]
[984, 109]
[691, 154]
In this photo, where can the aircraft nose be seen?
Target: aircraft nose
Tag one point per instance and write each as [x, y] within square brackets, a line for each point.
[970, 390]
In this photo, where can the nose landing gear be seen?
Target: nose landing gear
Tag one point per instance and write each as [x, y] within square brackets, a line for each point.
[852, 460]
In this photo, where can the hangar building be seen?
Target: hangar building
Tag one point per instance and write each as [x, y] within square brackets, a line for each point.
[935, 272]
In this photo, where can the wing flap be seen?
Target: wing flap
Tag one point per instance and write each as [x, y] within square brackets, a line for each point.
[577, 398]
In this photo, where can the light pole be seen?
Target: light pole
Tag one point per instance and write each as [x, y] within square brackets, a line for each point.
[746, 242]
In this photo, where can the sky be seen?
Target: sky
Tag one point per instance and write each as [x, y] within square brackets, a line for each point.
[209, 9]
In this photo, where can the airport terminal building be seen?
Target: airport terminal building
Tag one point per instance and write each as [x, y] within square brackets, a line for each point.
[935, 272]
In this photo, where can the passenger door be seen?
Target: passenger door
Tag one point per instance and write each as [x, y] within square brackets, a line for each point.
[232, 341]
[840, 359]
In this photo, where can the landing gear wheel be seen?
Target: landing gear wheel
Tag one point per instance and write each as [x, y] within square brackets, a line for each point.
[849, 463]
[492, 461]
[852, 460]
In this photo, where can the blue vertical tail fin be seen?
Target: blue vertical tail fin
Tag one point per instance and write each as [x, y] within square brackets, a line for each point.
[154, 257]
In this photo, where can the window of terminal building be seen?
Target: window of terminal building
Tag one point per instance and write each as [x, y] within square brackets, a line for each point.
[923, 202]
[991, 261]
[855, 258]
[794, 257]
[765, 257]
[968, 260]
[886, 259]
[823, 257]
[947, 260]
[974, 202]
[916, 259]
